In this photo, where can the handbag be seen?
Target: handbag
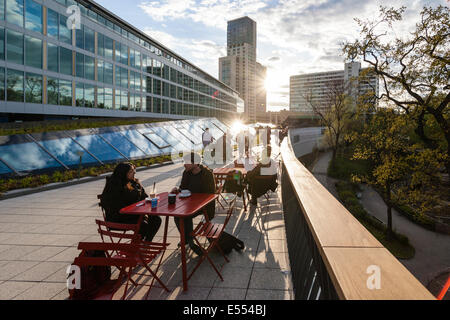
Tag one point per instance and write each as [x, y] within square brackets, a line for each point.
[228, 242]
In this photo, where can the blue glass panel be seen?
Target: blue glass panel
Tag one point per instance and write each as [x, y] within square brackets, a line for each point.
[192, 127]
[27, 156]
[99, 148]
[178, 143]
[65, 150]
[158, 141]
[4, 169]
[220, 125]
[139, 140]
[122, 144]
[187, 134]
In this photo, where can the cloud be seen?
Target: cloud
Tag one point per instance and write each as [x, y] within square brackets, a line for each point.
[273, 59]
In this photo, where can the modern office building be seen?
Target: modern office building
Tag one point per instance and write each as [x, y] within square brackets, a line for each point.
[312, 87]
[104, 68]
[239, 68]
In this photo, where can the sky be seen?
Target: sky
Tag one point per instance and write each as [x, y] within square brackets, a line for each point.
[293, 36]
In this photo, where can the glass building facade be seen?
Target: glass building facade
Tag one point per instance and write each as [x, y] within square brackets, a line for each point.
[104, 68]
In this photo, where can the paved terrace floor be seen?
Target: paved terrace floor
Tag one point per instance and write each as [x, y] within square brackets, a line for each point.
[39, 234]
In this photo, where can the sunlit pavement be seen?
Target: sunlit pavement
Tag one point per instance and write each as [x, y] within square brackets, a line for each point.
[39, 234]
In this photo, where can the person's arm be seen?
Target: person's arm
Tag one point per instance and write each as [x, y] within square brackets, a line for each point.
[183, 184]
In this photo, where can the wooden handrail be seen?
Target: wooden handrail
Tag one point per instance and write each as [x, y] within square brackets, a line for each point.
[352, 256]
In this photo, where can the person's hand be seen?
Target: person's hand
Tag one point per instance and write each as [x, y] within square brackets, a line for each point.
[175, 190]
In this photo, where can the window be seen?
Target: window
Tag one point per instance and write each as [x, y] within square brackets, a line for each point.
[79, 95]
[156, 105]
[132, 58]
[2, 83]
[108, 98]
[100, 98]
[79, 69]
[108, 48]
[65, 93]
[2, 9]
[101, 44]
[124, 78]
[33, 88]
[89, 95]
[100, 70]
[89, 40]
[33, 52]
[65, 34]
[33, 16]
[108, 73]
[117, 53]
[14, 12]
[157, 87]
[52, 91]
[52, 57]
[124, 54]
[2, 43]
[15, 47]
[65, 58]
[15, 85]
[124, 100]
[89, 68]
[79, 37]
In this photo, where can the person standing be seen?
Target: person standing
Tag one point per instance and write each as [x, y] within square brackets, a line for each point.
[207, 138]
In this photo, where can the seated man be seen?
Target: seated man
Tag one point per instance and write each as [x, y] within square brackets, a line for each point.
[197, 179]
[263, 177]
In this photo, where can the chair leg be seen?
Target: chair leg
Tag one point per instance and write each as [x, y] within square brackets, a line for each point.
[202, 258]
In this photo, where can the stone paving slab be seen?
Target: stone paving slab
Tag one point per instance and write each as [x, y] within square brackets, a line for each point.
[39, 234]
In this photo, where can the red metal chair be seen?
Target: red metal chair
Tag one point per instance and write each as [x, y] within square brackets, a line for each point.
[148, 251]
[212, 232]
[109, 287]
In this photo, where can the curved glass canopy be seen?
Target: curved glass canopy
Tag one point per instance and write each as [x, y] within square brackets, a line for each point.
[61, 150]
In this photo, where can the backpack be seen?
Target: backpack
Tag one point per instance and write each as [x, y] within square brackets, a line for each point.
[92, 278]
[228, 242]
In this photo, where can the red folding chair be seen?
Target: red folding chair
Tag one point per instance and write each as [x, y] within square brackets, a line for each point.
[109, 287]
[212, 232]
[148, 251]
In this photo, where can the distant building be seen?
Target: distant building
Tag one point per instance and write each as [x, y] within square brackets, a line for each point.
[239, 68]
[314, 86]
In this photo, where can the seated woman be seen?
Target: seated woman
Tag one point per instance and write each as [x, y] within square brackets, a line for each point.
[263, 177]
[121, 190]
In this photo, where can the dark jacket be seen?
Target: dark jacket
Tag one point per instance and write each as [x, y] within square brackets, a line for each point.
[259, 184]
[115, 197]
[207, 185]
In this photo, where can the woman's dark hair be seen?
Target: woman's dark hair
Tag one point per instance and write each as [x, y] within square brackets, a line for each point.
[119, 176]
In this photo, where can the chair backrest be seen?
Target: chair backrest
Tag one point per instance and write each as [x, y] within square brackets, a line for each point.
[118, 232]
[232, 205]
[99, 197]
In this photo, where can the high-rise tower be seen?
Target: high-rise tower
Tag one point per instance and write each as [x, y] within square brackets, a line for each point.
[238, 69]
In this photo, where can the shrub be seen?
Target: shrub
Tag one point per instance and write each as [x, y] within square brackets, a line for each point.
[57, 176]
[44, 179]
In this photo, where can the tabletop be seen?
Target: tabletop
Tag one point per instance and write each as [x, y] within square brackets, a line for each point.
[183, 207]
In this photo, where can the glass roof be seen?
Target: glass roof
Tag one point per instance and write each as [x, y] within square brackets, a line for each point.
[122, 144]
[24, 155]
[99, 148]
[65, 149]
[139, 140]
[4, 168]
[57, 150]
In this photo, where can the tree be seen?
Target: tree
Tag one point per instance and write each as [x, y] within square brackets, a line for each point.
[401, 169]
[414, 71]
[334, 114]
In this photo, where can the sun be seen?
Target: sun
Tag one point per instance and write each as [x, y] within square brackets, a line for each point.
[273, 81]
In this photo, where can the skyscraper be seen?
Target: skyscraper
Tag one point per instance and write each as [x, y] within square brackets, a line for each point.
[239, 68]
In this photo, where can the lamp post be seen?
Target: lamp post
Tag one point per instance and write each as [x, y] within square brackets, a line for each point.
[80, 154]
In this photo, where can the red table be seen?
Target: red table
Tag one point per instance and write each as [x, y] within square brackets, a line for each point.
[183, 208]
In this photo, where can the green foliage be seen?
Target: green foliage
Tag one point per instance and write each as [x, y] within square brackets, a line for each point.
[398, 245]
